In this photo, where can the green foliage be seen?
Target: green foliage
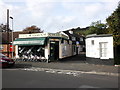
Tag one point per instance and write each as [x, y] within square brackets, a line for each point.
[80, 31]
[95, 28]
[113, 23]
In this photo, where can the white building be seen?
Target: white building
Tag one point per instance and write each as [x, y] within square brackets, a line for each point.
[99, 46]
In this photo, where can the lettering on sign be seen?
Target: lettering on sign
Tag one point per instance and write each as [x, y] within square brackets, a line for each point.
[42, 35]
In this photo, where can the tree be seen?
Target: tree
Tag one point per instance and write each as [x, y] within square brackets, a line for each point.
[95, 28]
[32, 29]
[81, 31]
[113, 22]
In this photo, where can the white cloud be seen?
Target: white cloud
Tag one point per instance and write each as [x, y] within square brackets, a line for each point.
[3, 11]
[91, 11]
[64, 0]
[68, 19]
[37, 8]
[53, 15]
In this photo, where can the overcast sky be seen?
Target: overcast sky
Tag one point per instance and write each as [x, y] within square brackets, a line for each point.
[56, 15]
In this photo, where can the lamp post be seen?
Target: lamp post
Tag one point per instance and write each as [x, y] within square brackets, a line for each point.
[7, 29]
[12, 36]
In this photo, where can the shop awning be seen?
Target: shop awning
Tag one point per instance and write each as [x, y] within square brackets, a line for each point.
[29, 41]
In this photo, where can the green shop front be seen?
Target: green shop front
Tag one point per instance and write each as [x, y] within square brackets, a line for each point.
[42, 46]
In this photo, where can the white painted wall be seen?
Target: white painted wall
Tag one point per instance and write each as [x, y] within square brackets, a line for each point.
[94, 50]
[46, 51]
[16, 51]
[65, 50]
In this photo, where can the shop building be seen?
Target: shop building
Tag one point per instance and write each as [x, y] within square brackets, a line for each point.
[49, 46]
[78, 42]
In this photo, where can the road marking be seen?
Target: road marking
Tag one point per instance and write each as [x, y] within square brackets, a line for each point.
[87, 86]
[59, 71]
[69, 72]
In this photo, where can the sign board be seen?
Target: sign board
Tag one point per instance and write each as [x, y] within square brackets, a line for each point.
[11, 48]
[42, 35]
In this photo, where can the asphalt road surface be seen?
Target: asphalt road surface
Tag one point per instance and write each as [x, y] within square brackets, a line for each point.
[16, 78]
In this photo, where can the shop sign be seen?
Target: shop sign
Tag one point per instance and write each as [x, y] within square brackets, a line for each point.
[33, 35]
[42, 35]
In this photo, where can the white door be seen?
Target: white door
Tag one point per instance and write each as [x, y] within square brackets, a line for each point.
[103, 50]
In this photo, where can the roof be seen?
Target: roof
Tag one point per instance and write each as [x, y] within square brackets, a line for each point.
[101, 35]
[75, 35]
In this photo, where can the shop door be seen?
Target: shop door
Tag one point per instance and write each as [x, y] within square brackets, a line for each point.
[54, 50]
[103, 50]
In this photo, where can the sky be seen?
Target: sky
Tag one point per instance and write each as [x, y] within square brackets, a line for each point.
[55, 15]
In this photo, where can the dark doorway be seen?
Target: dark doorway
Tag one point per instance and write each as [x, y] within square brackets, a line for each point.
[76, 50]
[54, 50]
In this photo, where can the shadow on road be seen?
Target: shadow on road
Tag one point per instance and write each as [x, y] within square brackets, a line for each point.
[77, 58]
[81, 58]
[22, 65]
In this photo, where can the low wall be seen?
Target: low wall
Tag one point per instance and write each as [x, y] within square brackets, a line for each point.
[98, 61]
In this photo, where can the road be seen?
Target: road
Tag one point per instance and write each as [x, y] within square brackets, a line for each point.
[18, 78]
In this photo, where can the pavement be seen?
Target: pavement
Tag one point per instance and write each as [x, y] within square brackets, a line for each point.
[75, 63]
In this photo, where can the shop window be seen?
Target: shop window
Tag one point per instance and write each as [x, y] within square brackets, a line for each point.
[92, 42]
[31, 51]
[73, 38]
[39, 50]
[81, 39]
